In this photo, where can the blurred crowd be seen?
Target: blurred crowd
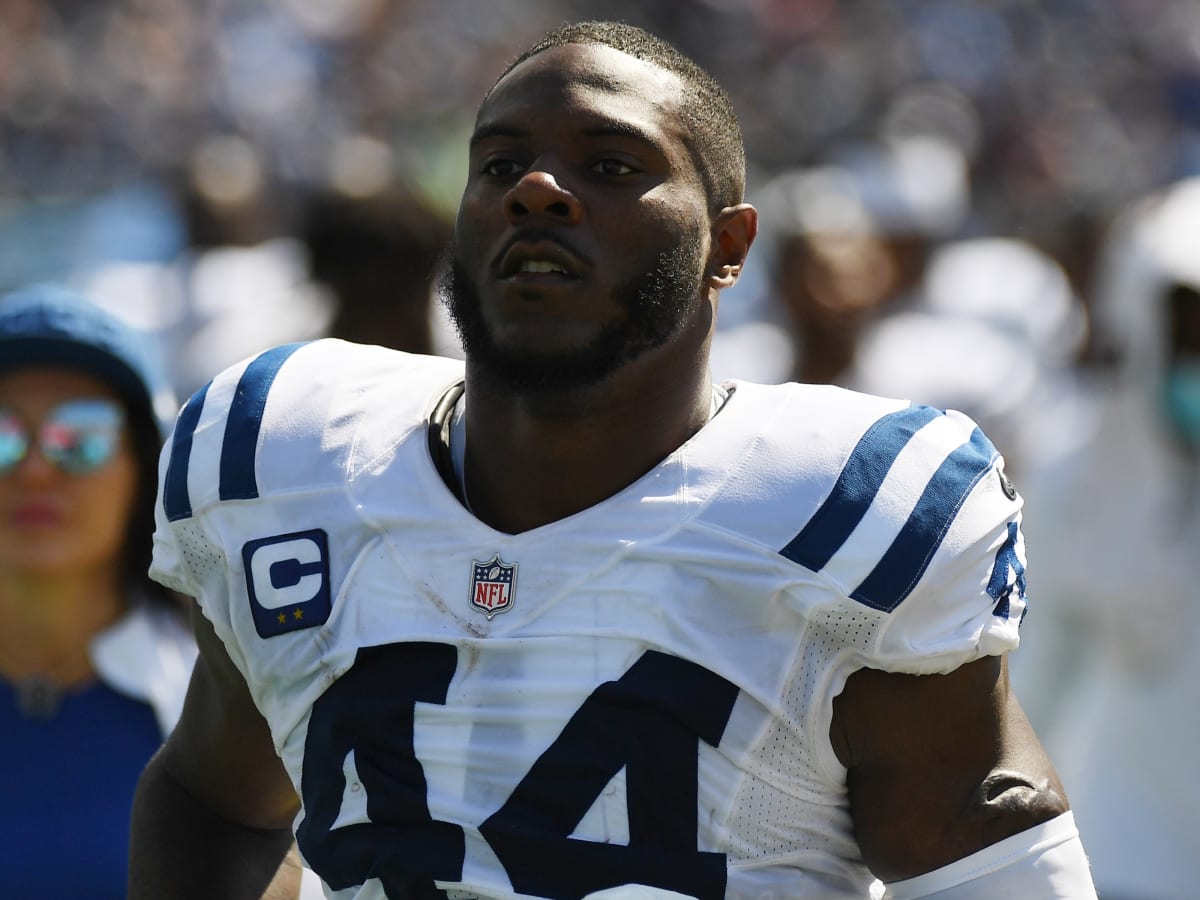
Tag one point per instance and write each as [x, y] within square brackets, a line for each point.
[324, 136]
[983, 204]
[1063, 110]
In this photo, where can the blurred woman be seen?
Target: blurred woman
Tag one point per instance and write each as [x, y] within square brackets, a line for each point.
[94, 657]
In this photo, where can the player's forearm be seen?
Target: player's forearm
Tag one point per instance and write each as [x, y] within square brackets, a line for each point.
[181, 849]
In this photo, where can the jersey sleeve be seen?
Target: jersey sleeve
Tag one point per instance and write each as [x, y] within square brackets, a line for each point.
[166, 565]
[951, 581]
[971, 599]
[913, 533]
[266, 439]
[209, 458]
[257, 516]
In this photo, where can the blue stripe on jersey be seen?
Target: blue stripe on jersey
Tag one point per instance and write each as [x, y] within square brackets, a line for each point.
[856, 486]
[176, 502]
[237, 478]
[906, 560]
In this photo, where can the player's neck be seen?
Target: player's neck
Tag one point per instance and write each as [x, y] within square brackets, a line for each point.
[528, 463]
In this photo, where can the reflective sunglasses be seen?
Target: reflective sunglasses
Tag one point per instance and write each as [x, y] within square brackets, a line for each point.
[77, 437]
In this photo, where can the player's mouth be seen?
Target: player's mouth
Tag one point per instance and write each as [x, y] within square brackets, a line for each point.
[543, 262]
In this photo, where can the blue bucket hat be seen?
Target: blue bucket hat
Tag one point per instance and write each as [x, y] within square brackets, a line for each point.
[47, 324]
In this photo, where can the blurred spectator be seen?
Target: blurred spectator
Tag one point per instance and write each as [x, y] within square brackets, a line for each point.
[377, 254]
[1111, 663]
[239, 284]
[994, 330]
[94, 657]
[844, 243]
[264, 266]
[245, 277]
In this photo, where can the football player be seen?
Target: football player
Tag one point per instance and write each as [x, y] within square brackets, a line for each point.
[569, 619]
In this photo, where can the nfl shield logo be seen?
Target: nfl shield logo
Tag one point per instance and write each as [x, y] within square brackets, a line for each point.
[492, 585]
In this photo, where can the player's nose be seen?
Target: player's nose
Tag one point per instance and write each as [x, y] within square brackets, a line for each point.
[539, 193]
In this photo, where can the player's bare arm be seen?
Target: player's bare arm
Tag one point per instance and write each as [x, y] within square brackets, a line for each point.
[940, 766]
[213, 812]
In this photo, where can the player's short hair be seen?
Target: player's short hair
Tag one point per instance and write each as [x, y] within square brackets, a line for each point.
[714, 137]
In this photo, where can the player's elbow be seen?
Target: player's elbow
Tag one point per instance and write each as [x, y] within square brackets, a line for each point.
[1002, 805]
[1007, 803]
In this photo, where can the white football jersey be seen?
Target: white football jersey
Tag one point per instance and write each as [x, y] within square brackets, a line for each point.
[640, 693]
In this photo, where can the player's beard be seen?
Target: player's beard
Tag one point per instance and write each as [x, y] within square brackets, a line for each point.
[657, 303]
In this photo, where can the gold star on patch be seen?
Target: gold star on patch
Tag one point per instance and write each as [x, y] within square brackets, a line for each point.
[298, 615]
[282, 618]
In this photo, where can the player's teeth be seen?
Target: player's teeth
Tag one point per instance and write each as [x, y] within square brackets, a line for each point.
[540, 267]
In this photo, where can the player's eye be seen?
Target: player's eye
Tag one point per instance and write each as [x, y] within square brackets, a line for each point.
[500, 167]
[613, 166]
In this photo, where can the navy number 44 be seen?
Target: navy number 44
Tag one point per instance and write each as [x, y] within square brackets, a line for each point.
[649, 722]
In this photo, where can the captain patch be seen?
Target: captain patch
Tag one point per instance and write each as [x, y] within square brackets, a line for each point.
[287, 581]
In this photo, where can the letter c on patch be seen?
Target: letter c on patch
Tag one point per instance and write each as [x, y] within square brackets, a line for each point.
[287, 581]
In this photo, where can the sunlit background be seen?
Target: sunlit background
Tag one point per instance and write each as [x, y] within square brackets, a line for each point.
[112, 112]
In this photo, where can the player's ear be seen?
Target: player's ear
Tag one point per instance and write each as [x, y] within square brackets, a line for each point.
[733, 232]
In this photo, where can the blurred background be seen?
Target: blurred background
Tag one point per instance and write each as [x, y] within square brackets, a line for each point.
[984, 204]
[137, 134]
